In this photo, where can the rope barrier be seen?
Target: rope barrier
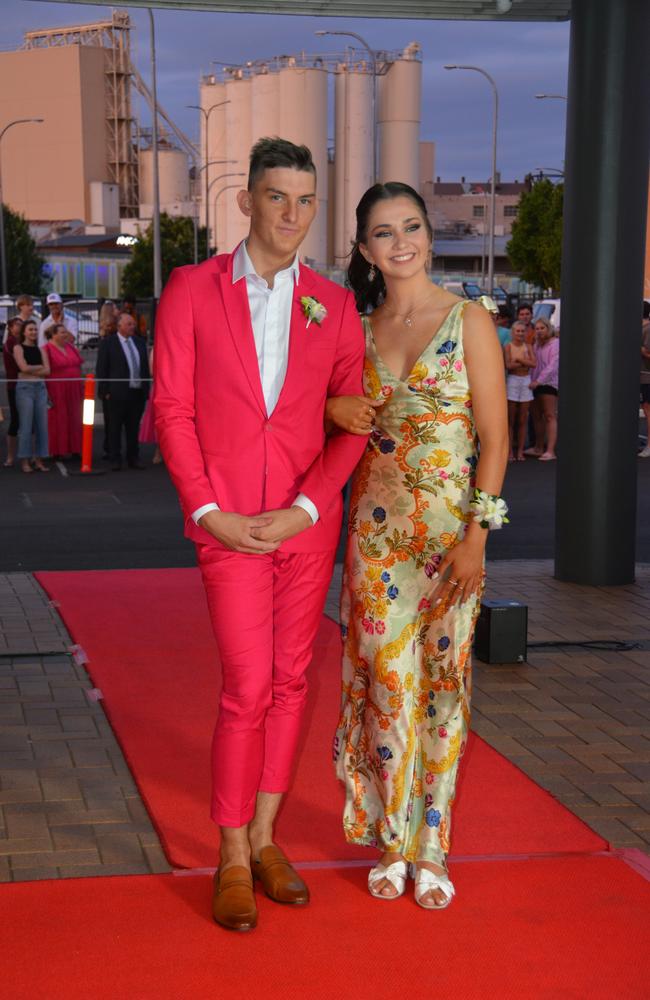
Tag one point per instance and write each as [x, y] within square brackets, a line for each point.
[41, 378]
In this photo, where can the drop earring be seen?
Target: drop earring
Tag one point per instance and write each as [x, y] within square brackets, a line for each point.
[371, 273]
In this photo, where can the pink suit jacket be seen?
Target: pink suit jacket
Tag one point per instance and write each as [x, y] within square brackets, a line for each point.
[218, 442]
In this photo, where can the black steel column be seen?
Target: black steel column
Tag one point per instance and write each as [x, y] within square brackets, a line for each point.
[608, 142]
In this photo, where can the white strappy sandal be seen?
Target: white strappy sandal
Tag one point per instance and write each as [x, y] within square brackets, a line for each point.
[396, 874]
[428, 881]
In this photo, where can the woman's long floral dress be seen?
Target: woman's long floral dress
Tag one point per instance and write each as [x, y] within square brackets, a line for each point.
[406, 661]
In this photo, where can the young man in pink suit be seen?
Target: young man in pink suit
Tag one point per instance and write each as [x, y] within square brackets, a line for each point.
[248, 347]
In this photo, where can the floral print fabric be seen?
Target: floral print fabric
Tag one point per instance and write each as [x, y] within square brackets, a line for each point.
[406, 661]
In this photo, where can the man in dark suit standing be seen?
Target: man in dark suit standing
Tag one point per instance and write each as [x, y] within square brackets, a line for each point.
[124, 357]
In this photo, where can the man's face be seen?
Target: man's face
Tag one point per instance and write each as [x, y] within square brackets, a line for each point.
[56, 311]
[525, 315]
[126, 325]
[26, 310]
[281, 207]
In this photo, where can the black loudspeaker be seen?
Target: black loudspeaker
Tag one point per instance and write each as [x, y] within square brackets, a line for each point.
[501, 632]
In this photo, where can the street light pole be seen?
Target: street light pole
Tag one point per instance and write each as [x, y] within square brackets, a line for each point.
[3, 256]
[216, 199]
[157, 259]
[214, 180]
[477, 69]
[373, 58]
[206, 117]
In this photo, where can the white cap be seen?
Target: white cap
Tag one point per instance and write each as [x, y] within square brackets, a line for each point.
[53, 297]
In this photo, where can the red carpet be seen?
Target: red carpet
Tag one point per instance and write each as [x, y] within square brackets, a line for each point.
[148, 639]
[573, 928]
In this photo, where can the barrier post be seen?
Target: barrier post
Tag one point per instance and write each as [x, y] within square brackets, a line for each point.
[88, 424]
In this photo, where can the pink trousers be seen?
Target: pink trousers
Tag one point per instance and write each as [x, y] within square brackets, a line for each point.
[265, 613]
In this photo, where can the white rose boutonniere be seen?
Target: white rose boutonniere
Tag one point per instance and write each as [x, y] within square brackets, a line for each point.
[313, 310]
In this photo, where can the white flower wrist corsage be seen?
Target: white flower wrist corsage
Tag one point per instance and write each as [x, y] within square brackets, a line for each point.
[313, 310]
[490, 511]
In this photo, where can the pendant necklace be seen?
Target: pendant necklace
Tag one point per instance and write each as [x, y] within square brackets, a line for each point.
[407, 318]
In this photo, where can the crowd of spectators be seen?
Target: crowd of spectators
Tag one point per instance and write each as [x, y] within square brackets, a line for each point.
[531, 357]
[43, 369]
[44, 385]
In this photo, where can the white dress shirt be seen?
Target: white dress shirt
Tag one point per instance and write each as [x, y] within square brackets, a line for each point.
[69, 323]
[132, 359]
[270, 310]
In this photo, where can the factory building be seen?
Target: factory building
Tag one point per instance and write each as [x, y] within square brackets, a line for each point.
[88, 168]
[464, 207]
[78, 81]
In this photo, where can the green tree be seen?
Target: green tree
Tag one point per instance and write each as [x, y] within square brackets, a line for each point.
[535, 249]
[176, 248]
[24, 263]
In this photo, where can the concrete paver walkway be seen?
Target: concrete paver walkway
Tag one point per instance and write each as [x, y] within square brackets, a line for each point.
[576, 719]
[68, 804]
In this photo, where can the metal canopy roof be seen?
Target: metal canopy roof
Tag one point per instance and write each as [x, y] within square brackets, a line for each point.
[449, 10]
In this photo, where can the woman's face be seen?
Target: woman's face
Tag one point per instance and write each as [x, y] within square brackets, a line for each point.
[542, 332]
[398, 242]
[518, 332]
[60, 336]
[30, 333]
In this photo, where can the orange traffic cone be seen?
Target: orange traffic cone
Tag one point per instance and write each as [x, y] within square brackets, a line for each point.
[88, 423]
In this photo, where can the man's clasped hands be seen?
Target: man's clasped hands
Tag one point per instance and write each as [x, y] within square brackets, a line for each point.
[263, 533]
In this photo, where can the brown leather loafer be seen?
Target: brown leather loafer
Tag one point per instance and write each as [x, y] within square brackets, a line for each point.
[233, 902]
[281, 882]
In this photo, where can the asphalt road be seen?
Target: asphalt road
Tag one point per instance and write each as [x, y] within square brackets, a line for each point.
[131, 519]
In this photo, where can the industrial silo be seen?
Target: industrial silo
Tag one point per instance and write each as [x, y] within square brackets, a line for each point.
[212, 94]
[265, 103]
[399, 93]
[354, 151]
[173, 176]
[303, 120]
[231, 225]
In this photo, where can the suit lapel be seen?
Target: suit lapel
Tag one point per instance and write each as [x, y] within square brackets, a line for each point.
[238, 317]
[298, 334]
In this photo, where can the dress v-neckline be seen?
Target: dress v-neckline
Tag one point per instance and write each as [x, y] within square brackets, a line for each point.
[405, 381]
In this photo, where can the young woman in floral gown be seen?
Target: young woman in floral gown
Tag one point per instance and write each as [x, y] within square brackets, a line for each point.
[422, 500]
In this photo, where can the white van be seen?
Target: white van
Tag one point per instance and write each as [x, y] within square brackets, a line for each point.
[549, 309]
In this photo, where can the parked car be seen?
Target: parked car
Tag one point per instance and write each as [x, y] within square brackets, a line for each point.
[550, 309]
[85, 312]
[472, 290]
[455, 287]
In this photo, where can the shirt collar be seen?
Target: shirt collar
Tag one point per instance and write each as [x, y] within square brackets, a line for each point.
[243, 267]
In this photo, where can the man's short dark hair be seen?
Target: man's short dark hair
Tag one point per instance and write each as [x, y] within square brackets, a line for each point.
[269, 153]
[524, 305]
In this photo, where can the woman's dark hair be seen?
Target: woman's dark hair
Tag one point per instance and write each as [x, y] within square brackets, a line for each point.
[12, 324]
[25, 323]
[269, 153]
[370, 293]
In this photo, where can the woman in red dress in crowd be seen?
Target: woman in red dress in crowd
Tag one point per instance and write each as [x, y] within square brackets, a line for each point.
[64, 415]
